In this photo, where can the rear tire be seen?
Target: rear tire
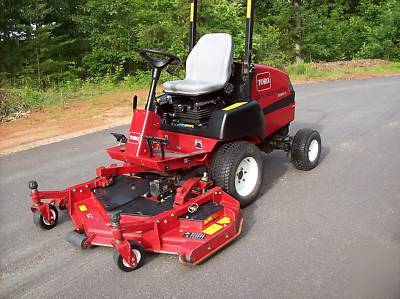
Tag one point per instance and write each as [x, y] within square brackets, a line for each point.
[237, 167]
[306, 149]
[139, 253]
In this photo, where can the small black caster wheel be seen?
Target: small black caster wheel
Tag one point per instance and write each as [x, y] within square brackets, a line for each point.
[139, 253]
[42, 223]
[62, 207]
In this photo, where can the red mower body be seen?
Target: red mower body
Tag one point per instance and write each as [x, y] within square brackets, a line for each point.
[272, 89]
[195, 220]
[182, 151]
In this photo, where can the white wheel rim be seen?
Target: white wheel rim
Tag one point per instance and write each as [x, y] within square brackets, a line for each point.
[53, 217]
[246, 176]
[138, 256]
[313, 150]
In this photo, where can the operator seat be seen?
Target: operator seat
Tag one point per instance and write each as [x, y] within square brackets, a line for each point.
[208, 66]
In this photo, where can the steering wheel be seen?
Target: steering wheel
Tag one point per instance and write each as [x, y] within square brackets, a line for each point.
[157, 62]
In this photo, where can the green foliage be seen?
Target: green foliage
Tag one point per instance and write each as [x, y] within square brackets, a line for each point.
[10, 103]
[44, 43]
[268, 46]
[117, 29]
[351, 29]
[14, 102]
[38, 42]
[59, 47]
[382, 28]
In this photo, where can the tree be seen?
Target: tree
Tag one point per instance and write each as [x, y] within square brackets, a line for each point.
[36, 42]
[297, 9]
[50, 42]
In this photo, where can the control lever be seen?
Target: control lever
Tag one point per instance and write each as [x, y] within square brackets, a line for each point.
[156, 140]
[121, 138]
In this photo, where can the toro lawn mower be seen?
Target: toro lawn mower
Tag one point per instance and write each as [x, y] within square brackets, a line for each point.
[218, 119]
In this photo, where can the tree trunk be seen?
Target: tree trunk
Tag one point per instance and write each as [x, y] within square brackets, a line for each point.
[297, 8]
[39, 80]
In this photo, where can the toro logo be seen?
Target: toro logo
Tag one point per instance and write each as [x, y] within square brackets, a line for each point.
[263, 81]
[134, 137]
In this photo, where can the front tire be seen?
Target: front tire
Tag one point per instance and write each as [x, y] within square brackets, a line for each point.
[237, 167]
[306, 149]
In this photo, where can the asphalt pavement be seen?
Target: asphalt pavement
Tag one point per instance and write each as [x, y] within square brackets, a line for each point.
[333, 232]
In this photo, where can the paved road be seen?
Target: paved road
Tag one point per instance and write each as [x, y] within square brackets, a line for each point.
[330, 233]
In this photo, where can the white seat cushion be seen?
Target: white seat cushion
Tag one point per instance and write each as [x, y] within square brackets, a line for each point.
[208, 67]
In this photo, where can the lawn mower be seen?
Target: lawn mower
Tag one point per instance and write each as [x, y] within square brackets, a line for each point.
[191, 159]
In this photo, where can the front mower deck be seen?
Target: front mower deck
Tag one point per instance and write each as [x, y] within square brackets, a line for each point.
[193, 221]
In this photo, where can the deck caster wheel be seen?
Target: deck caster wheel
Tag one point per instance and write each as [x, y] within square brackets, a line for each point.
[306, 149]
[184, 260]
[78, 240]
[62, 207]
[42, 223]
[237, 167]
[139, 253]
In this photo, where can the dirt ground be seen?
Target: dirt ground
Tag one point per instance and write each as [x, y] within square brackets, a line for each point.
[59, 122]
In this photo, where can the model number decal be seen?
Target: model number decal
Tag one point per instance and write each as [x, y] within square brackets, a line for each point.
[199, 236]
[264, 81]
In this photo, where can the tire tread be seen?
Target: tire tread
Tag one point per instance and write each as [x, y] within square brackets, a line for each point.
[299, 150]
[223, 161]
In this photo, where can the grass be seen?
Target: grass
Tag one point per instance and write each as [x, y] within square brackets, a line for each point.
[310, 71]
[15, 101]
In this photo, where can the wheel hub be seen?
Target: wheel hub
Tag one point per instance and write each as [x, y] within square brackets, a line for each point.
[52, 217]
[246, 176]
[138, 256]
[313, 150]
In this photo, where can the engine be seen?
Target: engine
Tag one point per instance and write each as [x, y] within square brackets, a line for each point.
[188, 111]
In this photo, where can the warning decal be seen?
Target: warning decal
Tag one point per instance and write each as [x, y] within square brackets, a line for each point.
[212, 229]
